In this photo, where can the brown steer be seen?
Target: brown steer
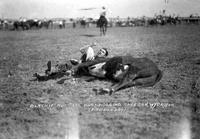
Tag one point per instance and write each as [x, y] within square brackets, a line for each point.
[127, 72]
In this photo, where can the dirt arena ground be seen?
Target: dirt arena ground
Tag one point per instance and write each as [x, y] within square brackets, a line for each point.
[48, 110]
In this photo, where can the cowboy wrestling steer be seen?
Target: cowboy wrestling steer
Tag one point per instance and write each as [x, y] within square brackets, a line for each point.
[126, 71]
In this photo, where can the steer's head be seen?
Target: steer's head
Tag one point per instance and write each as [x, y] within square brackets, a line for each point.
[121, 70]
[98, 70]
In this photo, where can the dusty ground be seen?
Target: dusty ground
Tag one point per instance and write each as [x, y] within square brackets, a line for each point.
[47, 110]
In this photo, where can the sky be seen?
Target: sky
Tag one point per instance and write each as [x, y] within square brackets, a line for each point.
[72, 8]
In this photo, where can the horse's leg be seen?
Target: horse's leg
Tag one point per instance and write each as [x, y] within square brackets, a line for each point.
[100, 31]
[104, 29]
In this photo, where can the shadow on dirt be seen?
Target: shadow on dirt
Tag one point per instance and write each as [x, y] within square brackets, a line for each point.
[88, 35]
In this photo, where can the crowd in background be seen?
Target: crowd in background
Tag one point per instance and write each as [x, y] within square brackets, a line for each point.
[61, 23]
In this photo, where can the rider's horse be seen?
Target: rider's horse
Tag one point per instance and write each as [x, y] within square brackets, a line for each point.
[102, 23]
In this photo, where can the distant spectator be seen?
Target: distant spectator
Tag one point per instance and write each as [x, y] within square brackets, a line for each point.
[74, 24]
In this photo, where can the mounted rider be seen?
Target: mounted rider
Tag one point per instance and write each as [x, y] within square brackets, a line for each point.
[103, 13]
[102, 21]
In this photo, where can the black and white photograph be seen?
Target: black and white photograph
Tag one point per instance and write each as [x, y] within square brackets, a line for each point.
[99, 69]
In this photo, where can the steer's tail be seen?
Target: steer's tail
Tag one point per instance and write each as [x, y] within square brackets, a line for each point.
[160, 75]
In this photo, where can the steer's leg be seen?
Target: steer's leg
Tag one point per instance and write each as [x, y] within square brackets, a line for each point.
[126, 82]
[142, 82]
[146, 82]
[147, 78]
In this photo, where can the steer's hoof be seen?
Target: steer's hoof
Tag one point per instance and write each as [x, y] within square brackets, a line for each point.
[105, 90]
[102, 91]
